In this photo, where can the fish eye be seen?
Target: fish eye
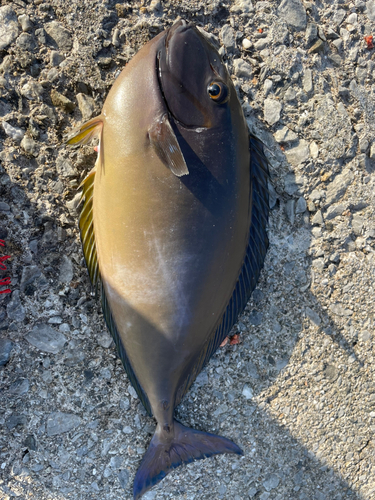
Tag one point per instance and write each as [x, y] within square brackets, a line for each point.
[218, 92]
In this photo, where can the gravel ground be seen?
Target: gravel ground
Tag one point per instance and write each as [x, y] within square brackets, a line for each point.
[298, 392]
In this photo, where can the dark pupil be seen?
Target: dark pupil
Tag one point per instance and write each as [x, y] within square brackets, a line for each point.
[214, 90]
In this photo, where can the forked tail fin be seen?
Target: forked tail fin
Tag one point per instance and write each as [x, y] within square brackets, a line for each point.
[181, 446]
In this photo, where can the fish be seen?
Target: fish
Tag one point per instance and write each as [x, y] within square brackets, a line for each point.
[173, 228]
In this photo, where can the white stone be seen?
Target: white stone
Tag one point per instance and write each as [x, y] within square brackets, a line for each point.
[8, 26]
[272, 111]
[246, 44]
[314, 150]
[15, 133]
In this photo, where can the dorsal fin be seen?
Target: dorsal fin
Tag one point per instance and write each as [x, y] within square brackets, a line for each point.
[252, 265]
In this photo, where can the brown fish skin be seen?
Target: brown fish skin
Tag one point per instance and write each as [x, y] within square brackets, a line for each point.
[171, 247]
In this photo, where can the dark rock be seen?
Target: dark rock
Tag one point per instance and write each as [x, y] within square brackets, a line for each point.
[6, 347]
[26, 42]
[30, 443]
[15, 420]
[15, 310]
[19, 387]
[255, 318]
[123, 477]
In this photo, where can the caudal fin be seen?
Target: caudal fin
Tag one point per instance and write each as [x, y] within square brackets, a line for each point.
[181, 446]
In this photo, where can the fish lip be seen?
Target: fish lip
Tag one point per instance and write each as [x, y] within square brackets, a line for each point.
[179, 26]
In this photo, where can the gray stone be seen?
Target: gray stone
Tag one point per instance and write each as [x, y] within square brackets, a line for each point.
[311, 33]
[255, 318]
[313, 316]
[285, 135]
[15, 310]
[252, 370]
[364, 335]
[337, 188]
[268, 84]
[335, 59]
[293, 13]
[227, 37]
[56, 58]
[307, 81]
[372, 151]
[32, 90]
[6, 347]
[46, 339]
[261, 44]
[66, 270]
[301, 205]
[8, 26]
[340, 310]
[29, 145]
[290, 95]
[26, 42]
[357, 224]
[4, 207]
[29, 275]
[59, 35]
[15, 133]
[271, 482]
[5, 108]
[19, 387]
[202, 379]
[338, 44]
[58, 423]
[298, 153]
[338, 17]
[272, 111]
[290, 210]
[64, 167]
[104, 339]
[334, 211]
[370, 10]
[25, 22]
[242, 69]
[272, 196]
[293, 183]
[86, 106]
[318, 218]
[15, 420]
[247, 392]
[73, 204]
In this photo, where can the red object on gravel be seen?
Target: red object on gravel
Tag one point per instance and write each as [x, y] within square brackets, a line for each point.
[4, 281]
[369, 39]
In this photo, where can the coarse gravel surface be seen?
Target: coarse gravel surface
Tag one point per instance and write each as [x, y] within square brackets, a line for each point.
[298, 392]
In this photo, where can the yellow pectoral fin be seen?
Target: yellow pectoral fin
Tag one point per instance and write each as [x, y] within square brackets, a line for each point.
[87, 131]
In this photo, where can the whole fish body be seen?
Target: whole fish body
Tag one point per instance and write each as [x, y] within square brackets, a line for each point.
[173, 227]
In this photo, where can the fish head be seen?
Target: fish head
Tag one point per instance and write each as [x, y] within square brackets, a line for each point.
[194, 81]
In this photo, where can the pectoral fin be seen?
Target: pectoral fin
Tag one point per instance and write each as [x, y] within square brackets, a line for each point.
[165, 143]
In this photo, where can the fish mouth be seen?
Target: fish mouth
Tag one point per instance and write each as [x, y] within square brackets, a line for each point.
[178, 27]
